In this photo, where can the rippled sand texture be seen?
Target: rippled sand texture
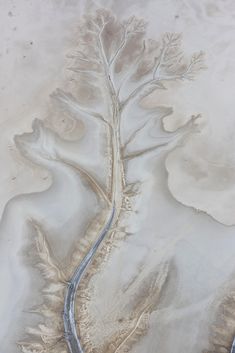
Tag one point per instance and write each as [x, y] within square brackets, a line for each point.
[100, 252]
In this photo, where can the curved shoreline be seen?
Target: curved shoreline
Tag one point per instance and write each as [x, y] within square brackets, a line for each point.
[71, 337]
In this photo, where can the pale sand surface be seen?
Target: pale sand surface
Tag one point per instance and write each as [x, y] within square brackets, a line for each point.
[200, 173]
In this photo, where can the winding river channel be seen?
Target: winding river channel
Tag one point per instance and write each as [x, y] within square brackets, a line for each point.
[69, 320]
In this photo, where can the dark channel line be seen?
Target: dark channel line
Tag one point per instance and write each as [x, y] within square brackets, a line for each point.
[71, 336]
[233, 346]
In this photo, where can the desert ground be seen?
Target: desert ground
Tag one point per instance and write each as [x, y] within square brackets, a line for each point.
[117, 181]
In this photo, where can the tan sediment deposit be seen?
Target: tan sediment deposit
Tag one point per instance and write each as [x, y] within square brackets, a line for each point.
[130, 126]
